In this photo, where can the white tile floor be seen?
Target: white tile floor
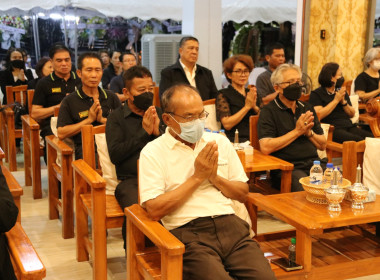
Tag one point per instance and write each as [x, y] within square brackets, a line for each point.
[58, 254]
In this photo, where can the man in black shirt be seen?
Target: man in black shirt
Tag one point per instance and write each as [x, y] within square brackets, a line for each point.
[186, 71]
[288, 128]
[52, 89]
[129, 129]
[89, 104]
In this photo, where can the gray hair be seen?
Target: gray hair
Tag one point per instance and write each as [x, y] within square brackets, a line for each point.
[370, 55]
[167, 100]
[277, 75]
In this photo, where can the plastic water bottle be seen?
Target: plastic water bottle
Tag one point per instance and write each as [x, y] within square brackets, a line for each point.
[316, 173]
[327, 176]
[340, 177]
[292, 252]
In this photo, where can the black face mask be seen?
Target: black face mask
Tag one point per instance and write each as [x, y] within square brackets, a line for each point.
[20, 64]
[339, 83]
[293, 92]
[143, 101]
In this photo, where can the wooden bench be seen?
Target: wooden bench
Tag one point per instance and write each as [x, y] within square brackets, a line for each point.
[91, 201]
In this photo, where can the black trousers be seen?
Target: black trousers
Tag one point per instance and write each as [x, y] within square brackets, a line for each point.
[126, 194]
[220, 248]
[353, 133]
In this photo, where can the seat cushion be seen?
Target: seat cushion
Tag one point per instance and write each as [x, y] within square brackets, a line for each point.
[108, 168]
[371, 163]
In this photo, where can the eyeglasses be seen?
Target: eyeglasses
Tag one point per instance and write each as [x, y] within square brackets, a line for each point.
[241, 72]
[300, 83]
[202, 116]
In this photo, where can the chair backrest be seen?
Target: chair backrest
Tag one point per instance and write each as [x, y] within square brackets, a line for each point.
[88, 143]
[253, 136]
[16, 94]
[30, 100]
[211, 121]
[156, 97]
[348, 85]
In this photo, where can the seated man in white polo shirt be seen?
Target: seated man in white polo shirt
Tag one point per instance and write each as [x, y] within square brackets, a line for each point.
[188, 179]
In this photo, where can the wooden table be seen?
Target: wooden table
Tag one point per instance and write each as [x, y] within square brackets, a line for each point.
[260, 162]
[312, 219]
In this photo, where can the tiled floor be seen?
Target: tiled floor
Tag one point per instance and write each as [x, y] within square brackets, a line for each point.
[58, 254]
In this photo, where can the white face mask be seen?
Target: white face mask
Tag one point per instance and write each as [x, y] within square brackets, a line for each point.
[376, 65]
[191, 131]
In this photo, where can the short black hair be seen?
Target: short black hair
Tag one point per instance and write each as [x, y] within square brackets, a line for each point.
[40, 64]
[58, 48]
[274, 46]
[112, 52]
[187, 38]
[88, 55]
[136, 71]
[103, 51]
[327, 72]
[121, 57]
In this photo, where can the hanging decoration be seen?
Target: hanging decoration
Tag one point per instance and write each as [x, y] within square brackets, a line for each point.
[11, 30]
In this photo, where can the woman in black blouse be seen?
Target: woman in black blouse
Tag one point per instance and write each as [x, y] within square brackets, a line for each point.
[15, 73]
[236, 103]
[44, 67]
[367, 82]
[333, 105]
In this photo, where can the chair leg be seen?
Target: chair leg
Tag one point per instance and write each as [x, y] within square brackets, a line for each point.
[36, 164]
[67, 198]
[52, 183]
[99, 235]
[81, 221]
[27, 160]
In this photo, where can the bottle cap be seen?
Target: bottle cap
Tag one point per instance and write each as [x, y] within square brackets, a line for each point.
[208, 130]
[317, 162]
[215, 131]
[222, 130]
[329, 165]
[293, 240]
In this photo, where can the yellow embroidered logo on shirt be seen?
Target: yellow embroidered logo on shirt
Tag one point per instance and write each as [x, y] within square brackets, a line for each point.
[83, 114]
[55, 90]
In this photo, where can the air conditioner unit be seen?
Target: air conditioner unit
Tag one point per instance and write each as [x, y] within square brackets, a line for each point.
[159, 51]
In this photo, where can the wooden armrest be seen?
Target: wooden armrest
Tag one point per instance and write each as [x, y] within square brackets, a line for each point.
[2, 154]
[334, 146]
[12, 183]
[29, 121]
[58, 145]
[25, 257]
[159, 235]
[93, 179]
[9, 112]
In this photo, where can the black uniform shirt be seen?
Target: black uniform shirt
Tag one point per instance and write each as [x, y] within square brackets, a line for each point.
[50, 91]
[276, 120]
[75, 107]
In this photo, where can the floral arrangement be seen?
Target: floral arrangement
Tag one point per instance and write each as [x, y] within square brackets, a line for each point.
[13, 21]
